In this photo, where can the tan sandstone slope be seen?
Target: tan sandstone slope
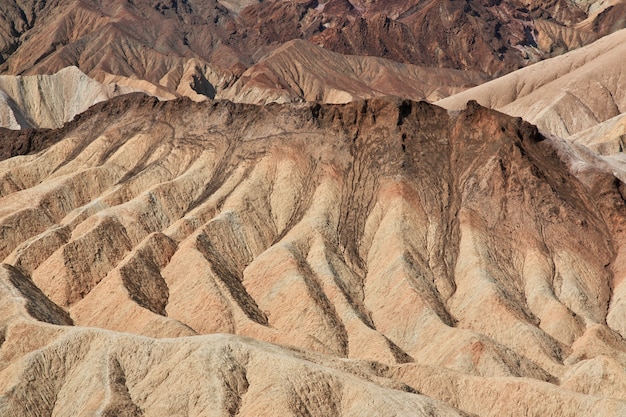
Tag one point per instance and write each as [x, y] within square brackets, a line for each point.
[606, 138]
[49, 101]
[562, 95]
[393, 247]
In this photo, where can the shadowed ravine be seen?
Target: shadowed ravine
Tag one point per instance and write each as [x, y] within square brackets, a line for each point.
[388, 247]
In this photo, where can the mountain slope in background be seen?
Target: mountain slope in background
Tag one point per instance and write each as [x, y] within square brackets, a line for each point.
[202, 47]
[49, 101]
[301, 71]
[298, 71]
[563, 95]
[453, 250]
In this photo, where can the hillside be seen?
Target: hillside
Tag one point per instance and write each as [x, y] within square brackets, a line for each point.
[389, 247]
[563, 95]
[49, 101]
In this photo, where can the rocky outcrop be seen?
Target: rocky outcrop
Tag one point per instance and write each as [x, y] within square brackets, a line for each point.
[396, 247]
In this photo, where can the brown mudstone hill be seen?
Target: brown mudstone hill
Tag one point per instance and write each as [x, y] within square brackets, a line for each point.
[382, 257]
[197, 48]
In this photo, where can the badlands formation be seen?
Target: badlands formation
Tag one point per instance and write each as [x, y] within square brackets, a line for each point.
[242, 207]
[196, 49]
[382, 257]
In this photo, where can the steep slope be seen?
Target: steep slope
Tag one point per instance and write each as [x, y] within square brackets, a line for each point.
[455, 250]
[300, 71]
[49, 101]
[562, 95]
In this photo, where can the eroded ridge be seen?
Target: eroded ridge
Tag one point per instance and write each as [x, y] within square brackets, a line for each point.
[395, 247]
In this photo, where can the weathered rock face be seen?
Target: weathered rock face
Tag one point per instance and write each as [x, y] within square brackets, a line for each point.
[398, 248]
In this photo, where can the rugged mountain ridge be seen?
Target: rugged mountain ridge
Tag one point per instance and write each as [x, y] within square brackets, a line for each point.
[197, 48]
[379, 257]
[450, 248]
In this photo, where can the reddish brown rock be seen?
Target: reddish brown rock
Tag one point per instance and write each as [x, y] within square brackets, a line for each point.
[115, 40]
